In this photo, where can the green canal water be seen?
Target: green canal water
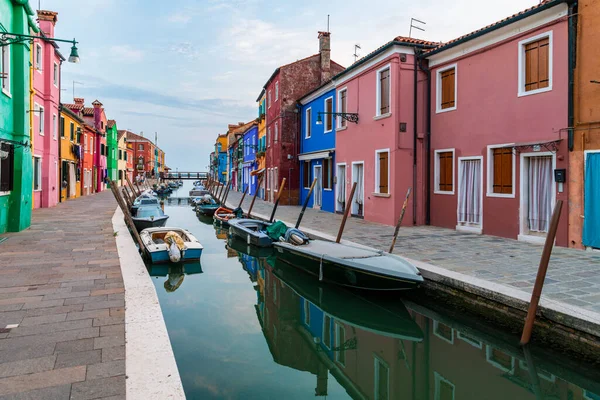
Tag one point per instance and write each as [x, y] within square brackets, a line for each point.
[248, 327]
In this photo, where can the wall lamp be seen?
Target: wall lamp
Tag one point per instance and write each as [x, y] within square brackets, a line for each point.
[7, 38]
[350, 117]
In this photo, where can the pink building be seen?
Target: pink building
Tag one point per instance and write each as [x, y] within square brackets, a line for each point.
[499, 109]
[46, 84]
[96, 117]
[378, 152]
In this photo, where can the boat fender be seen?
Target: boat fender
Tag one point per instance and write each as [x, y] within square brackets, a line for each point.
[174, 253]
[321, 268]
[295, 236]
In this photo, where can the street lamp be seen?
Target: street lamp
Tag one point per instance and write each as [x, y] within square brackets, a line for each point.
[350, 117]
[7, 38]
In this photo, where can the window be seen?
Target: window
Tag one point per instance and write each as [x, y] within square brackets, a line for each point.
[306, 312]
[383, 91]
[443, 331]
[382, 380]
[328, 114]
[327, 331]
[6, 167]
[469, 339]
[308, 123]
[5, 69]
[500, 176]
[120, 154]
[92, 149]
[141, 147]
[269, 99]
[500, 359]
[125, 154]
[276, 132]
[38, 57]
[62, 127]
[343, 106]
[535, 64]
[54, 126]
[444, 389]
[327, 174]
[55, 75]
[306, 174]
[382, 167]
[37, 173]
[340, 339]
[276, 90]
[40, 114]
[85, 143]
[446, 89]
[72, 132]
[444, 171]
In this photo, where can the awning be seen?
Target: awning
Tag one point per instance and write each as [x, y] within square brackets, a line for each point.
[538, 145]
[257, 172]
[315, 154]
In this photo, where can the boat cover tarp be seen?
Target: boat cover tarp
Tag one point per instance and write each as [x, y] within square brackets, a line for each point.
[173, 237]
[276, 230]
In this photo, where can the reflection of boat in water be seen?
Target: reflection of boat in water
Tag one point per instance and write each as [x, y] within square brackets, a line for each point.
[242, 247]
[220, 232]
[175, 272]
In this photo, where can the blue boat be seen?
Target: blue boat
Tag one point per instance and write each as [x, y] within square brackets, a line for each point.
[157, 248]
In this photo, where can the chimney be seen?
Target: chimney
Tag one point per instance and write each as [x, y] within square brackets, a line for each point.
[98, 114]
[79, 101]
[325, 52]
[47, 21]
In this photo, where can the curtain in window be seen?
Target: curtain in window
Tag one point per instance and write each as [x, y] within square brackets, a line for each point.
[540, 193]
[71, 180]
[469, 196]
[591, 222]
[359, 184]
[341, 182]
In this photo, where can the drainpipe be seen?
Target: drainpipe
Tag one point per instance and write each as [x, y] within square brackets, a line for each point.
[427, 71]
[415, 141]
[572, 65]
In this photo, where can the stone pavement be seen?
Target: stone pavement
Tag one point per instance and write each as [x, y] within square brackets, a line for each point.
[573, 275]
[62, 332]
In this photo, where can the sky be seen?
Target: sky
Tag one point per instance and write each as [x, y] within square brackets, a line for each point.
[184, 69]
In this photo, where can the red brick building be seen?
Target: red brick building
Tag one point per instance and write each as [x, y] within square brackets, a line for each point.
[143, 154]
[287, 84]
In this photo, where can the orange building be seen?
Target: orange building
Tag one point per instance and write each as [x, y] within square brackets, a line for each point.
[584, 183]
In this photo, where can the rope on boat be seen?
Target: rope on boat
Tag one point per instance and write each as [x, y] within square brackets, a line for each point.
[321, 268]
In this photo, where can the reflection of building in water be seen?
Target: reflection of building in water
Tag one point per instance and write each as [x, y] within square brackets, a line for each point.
[305, 331]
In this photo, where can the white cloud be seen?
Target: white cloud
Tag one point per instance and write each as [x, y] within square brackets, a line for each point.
[126, 53]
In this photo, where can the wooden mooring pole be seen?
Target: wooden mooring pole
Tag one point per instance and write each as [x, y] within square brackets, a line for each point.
[243, 196]
[254, 198]
[277, 200]
[541, 275]
[136, 194]
[220, 191]
[226, 195]
[305, 203]
[400, 220]
[127, 214]
[346, 212]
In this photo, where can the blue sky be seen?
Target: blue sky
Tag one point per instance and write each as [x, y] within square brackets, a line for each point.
[187, 68]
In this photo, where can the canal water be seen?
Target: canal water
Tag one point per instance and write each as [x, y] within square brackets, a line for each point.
[245, 326]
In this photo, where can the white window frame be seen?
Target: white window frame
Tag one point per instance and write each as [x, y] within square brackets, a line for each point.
[376, 375]
[337, 183]
[269, 136]
[269, 100]
[490, 172]
[306, 312]
[37, 182]
[338, 326]
[547, 376]
[488, 358]
[140, 147]
[328, 115]
[477, 344]
[521, 64]
[436, 173]
[339, 105]
[40, 114]
[276, 136]
[5, 63]
[435, 332]
[438, 379]
[39, 57]
[308, 122]
[470, 227]
[276, 90]
[325, 317]
[85, 143]
[378, 172]
[55, 75]
[54, 127]
[378, 114]
[438, 89]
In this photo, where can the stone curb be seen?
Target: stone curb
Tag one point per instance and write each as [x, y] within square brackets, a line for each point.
[150, 365]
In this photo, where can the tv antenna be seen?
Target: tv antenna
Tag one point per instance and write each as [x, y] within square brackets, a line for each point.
[327, 23]
[78, 83]
[356, 48]
[412, 25]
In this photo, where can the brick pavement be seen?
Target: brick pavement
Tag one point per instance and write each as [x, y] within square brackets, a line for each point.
[61, 283]
[573, 275]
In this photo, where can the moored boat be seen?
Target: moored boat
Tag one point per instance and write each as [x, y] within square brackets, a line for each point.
[143, 201]
[149, 217]
[157, 241]
[251, 231]
[351, 266]
[223, 215]
[208, 209]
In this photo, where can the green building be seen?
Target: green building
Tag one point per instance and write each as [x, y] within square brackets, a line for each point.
[112, 142]
[16, 163]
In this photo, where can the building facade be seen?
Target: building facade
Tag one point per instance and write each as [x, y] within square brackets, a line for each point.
[249, 143]
[220, 160]
[70, 154]
[88, 183]
[122, 158]
[129, 160]
[112, 143]
[262, 144]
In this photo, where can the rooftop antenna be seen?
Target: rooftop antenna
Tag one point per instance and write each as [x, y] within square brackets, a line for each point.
[412, 25]
[356, 47]
[39, 5]
[327, 23]
[75, 82]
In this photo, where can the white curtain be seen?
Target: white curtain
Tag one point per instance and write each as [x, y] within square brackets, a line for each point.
[540, 193]
[71, 180]
[359, 184]
[469, 196]
[341, 182]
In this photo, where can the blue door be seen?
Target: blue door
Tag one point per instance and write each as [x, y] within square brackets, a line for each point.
[591, 222]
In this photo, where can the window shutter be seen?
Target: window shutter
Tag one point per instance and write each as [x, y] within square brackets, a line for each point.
[502, 171]
[537, 74]
[384, 91]
[383, 173]
[543, 67]
[448, 85]
[7, 168]
[445, 164]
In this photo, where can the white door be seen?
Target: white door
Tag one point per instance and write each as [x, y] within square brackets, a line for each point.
[318, 191]
[340, 202]
[470, 186]
[537, 194]
[358, 200]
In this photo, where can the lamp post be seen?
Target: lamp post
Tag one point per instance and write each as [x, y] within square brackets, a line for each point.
[7, 38]
[350, 117]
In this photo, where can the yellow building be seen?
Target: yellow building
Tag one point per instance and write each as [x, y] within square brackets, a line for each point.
[262, 141]
[122, 158]
[70, 154]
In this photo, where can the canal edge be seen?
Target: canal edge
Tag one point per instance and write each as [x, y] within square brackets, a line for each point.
[150, 364]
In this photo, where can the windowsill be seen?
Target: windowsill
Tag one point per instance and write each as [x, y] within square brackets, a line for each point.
[384, 195]
[329, 131]
[307, 137]
[7, 93]
[470, 229]
[41, 133]
[536, 91]
[4, 194]
[37, 190]
[443, 192]
[501, 195]
[327, 190]
[342, 128]
[443, 110]
[531, 239]
[382, 116]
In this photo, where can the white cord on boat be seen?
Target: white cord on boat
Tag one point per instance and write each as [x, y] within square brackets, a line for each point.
[321, 268]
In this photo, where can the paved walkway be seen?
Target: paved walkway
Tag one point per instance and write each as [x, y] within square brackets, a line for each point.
[62, 305]
[573, 275]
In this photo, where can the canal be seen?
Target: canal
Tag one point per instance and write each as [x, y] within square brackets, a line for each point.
[245, 326]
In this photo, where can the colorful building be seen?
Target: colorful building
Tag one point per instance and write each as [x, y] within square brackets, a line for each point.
[285, 85]
[71, 154]
[129, 158]
[88, 183]
[499, 170]
[219, 162]
[262, 143]
[112, 143]
[249, 147]
[317, 147]
[584, 158]
[143, 154]
[16, 173]
[122, 158]
[46, 85]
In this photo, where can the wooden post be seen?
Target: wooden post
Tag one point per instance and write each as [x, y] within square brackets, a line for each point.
[222, 187]
[277, 200]
[346, 212]
[400, 220]
[305, 203]
[541, 275]
[243, 196]
[254, 197]
[127, 198]
[127, 214]
[226, 195]
[533, 374]
[132, 188]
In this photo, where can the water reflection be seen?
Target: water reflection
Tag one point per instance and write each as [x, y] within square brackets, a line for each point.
[175, 273]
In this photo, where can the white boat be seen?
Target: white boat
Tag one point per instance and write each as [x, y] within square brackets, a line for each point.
[158, 249]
